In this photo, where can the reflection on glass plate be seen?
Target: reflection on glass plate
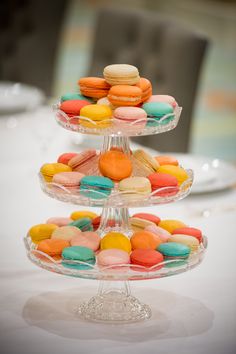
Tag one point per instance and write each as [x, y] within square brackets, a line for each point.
[17, 97]
[210, 175]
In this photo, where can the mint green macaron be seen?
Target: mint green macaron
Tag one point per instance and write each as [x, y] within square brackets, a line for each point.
[74, 96]
[78, 253]
[156, 111]
[84, 224]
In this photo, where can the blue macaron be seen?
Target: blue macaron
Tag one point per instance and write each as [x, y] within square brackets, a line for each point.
[175, 252]
[156, 111]
[73, 96]
[96, 187]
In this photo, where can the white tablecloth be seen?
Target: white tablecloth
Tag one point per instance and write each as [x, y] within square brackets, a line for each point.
[194, 312]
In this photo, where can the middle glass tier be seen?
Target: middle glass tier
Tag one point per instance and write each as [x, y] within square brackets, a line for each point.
[116, 196]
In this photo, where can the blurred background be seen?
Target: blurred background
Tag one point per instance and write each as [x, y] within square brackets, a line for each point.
[187, 48]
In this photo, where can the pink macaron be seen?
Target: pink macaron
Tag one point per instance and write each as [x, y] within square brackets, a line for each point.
[112, 257]
[87, 239]
[163, 98]
[163, 234]
[69, 180]
[59, 221]
[134, 118]
[66, 157]
[85, 162]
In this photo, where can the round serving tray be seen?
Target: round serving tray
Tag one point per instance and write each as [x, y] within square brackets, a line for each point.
[117, 198]
[118, 127]
[122, 272]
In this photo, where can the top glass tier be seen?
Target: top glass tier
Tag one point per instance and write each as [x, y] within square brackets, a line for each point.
[117, 127]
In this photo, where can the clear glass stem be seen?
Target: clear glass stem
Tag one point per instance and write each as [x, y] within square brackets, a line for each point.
[115, 219]
[116, 142]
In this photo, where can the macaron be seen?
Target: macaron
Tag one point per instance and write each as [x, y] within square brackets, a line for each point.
[170, 225]
[146, 258]
[66, 157]
[175, 171]
[121, 74]
[138, 224]
[145, 240]
[96, 187]
[69, 180]
[133, 185]
[83, 214]
[87, 239]
[112, 257]
[159, 112]
[125, 95]
[41, 232]
[115, 240]
[78, 254]
[73, 108]
[84, 161]
[96, 222]
[96, 116]
[149, 217]
[48, 170]
[95, 87]
[52, 247]
[164, 99]
[191, 231]
[190, 241]
[163, 234]
[73, 96]
[146, 160]
[163, 184]
[133, 118]
[59, 221]
[65, 233]
[146, 87]
[105, 102]
[166, 160]
[173, 250]
[115, 165]
[84, 224]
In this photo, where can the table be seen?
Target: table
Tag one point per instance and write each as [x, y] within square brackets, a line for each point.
[194, 312]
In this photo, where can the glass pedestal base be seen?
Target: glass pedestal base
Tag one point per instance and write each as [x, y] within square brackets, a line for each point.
[114, 304]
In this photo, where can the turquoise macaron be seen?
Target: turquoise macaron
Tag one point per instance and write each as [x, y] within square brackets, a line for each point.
[174, 251]
[157, 110]
[74, 96]
[96, 187]
[84, 224]
[78, 253]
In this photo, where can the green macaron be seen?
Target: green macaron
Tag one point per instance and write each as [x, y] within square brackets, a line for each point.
[96, 187]
[84, 224]
[73, 96]
[156, 111]
[78, 253]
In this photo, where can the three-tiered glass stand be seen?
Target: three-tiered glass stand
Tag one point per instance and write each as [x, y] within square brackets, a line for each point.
[114, 302]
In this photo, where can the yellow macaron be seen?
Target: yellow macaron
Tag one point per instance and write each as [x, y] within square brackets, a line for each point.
[175, 171]
[100, 115]
[171, 225]
[83, 214]
[48, 170]
[115, 240]
[41, 232]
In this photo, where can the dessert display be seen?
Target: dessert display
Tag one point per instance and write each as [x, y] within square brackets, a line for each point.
[115, 246]
[120, 103]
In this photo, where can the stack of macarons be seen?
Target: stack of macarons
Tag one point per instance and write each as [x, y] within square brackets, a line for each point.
[75, 242]
[121, 98]
[95, 174]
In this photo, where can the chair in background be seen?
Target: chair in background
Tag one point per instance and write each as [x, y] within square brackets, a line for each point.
[166, 53]
[29, 36]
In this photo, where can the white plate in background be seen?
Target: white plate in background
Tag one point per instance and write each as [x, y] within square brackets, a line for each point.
[210, 175]
[17, 97]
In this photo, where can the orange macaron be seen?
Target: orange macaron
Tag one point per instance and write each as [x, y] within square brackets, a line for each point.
[166, 160]
[115, 165]
[146, 87]
[125, 95]
[52, 247]
[95, 87]
[145, 240]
